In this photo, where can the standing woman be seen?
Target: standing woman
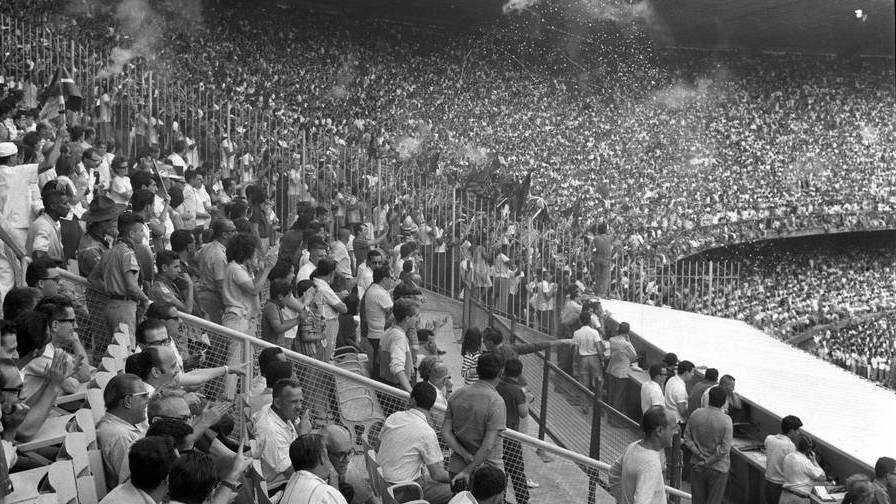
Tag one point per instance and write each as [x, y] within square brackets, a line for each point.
[239, 293]
[801, 472]
[311, 324]
[329, 304]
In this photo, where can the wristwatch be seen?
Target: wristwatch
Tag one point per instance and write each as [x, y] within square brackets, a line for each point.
[234, 487]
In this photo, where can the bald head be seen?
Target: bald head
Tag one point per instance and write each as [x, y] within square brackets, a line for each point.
[339, 444]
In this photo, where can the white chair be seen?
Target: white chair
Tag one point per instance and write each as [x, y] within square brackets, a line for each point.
[75, 448]
[96, 403]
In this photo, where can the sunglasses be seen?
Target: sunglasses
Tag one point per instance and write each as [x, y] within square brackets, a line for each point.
[17, 390]
[69, 320]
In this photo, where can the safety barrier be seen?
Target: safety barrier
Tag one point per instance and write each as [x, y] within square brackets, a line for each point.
[342, 393]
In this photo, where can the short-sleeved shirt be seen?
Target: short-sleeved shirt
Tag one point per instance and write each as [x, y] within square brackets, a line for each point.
[307, 488]
[232, 294]
[163, 291]
[377, 303]
[395, 356]
[622, 353]
[326, 299]
[651, 395]
[799, 473]
[116, 263]
[212, 260]
[474, 410]
[115, 437]
[343, 260]
[90, 252]
[676, 392]
[45, 235]
[274, 435]
[513, 396]
[588, 341]
[776, 448]
[407, 444]
[637, 476]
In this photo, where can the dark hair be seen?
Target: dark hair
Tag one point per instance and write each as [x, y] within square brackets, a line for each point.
[424, 395]
[141, 199]
[325, 266]
[652, 419]
[165, 258]
[623, 328]
[267, 356]
[670, 359]
[489, 366]
[381, 272]
[280, 287]
[219, 227]
[190, 174]
[241, 248]
[19, 300]
[151, 459]
[176, 429]
[141, 363]
[158, 310]
[32, 331]
[790, 423]
[150, 324]
[64, 166]
[717, 396]
[884, 466]
[192, 478]
[513, 367]
[407, 248]
[303, 287]
[236, 210]
[127, 220]
[307, 451]
[38, 269]
[403, 308]
[282, 384]
[472, 341]
[656, 370]
[8, 327]
[281, 269]
[685, 366]
[141, 179]
[487, 481]
[585, 317]
[405, 289]
[176, 196]
[493, 336]
[118, 388]
[803, 442]
[711, 374]
[55, 307]
[374, 253]
[277, 371]
[179, 146]
[726, 379]
[181, 239]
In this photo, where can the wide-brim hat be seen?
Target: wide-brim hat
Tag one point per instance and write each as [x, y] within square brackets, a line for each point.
[102, 208]
[8, 149]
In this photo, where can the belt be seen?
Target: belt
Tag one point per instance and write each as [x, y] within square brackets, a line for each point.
[116, 297]
[805, 496]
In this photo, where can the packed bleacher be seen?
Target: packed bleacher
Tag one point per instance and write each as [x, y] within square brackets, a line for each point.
[159, 228]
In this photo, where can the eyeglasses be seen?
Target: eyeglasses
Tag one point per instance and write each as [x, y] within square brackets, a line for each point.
[343, 455]
[17, 390]
[69, 320]
[139, 394]
[182, 418]
[163, 342]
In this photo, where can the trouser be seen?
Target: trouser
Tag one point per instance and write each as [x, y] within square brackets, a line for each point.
[211, 304]
[515, 467]
[616, 390]
[119, 311]
[434, 492]
[707, 485]
[331, 330]
[772, 492]
[373, 357]
[239, 320]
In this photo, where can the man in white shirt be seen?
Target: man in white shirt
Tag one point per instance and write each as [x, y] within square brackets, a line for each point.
[376, 308]
[309, 460]
[408, 444]
[590, 354]
[176, 158]
[776, 448]
[487, 486]
[339, 253]
[317, 250]
[652, 390]
[637, 476]
[276, 427]
[364, 280]
[676, 393]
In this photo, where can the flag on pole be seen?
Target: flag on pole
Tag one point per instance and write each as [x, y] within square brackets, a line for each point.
[61, 94]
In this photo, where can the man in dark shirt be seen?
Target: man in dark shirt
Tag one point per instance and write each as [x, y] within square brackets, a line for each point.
[710, 379]
[517, 412]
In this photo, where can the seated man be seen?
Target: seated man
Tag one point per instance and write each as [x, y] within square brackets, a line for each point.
[487, 486]
[156, 366]
[174, 404]
[408, 444]
[276, 427]
[61, 325]
[14, 412]
[43, 274]
[194, 480]
[308, 457]
[151, 458]
[124, 423]
[154, 333]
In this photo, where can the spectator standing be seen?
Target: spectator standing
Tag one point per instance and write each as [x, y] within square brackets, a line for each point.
[885, 480]
[212, 261]
[397, 366]
[652, 389]
[329, 303]
[44, 235]
[517, 412]
[470, 350]
[590, 355]
[476, 416]
[311, 465]
[726, 383]
[776, 448]
[637, 475]
[677, 393]
[601, 259]
[801, 471]
[364, 278]
[695, 399]
[708, 436]
[279, 323]
[165, 288]
[376, 306]
[120, 189]
[622, 354]
[101, 218]
[311, 324]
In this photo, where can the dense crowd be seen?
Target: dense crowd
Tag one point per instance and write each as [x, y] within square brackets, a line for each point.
[866, 348]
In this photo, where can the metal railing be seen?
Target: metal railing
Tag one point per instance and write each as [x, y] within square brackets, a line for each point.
[342, 393]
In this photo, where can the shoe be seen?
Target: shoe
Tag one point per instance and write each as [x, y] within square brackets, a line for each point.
[531, 484]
